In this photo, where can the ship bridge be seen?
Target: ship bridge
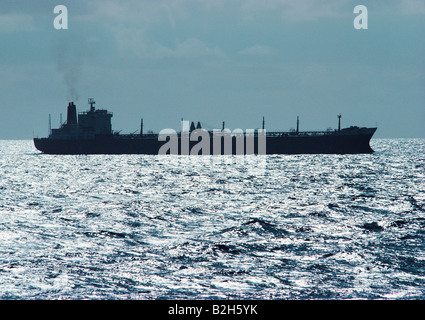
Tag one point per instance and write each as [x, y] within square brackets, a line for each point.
[97, 122]
[90, 123]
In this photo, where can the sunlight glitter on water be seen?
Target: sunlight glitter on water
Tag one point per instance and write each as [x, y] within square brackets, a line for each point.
[146, 227]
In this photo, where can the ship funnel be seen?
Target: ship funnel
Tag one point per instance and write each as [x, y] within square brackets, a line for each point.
[72, 114]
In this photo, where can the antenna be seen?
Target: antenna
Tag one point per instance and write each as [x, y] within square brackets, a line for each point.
[263, 123]
[91, 103]
[50, 124]
[298, 125]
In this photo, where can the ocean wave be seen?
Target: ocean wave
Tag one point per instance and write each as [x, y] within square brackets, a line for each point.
[146, 227]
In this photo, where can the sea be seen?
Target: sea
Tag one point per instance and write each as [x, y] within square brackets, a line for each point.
[144, 227]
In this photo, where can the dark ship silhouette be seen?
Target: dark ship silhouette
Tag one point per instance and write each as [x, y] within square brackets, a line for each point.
[91, 133]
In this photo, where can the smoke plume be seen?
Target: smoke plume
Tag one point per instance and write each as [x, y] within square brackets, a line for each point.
[70, 60]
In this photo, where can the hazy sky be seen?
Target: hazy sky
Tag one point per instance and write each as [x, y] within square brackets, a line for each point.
[214, 60]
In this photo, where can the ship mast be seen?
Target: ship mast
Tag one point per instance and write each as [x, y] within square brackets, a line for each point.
[298, 125]
[91, 103]
[339, 122]
[50, 124]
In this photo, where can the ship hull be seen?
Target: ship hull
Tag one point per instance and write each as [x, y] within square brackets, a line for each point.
[335, 143]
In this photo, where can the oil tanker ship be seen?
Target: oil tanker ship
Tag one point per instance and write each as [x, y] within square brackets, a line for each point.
[91, 132]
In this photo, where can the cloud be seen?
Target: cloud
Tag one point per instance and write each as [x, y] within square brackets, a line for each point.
[136, 42]
[290, 10]
[259, 51]
[132, 12]
[193, 47]
[16, 22]
[413, 7]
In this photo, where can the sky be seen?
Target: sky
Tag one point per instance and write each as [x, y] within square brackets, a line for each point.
[212, 61]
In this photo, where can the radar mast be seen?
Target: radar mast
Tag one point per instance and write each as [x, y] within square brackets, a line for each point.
[91, 103]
